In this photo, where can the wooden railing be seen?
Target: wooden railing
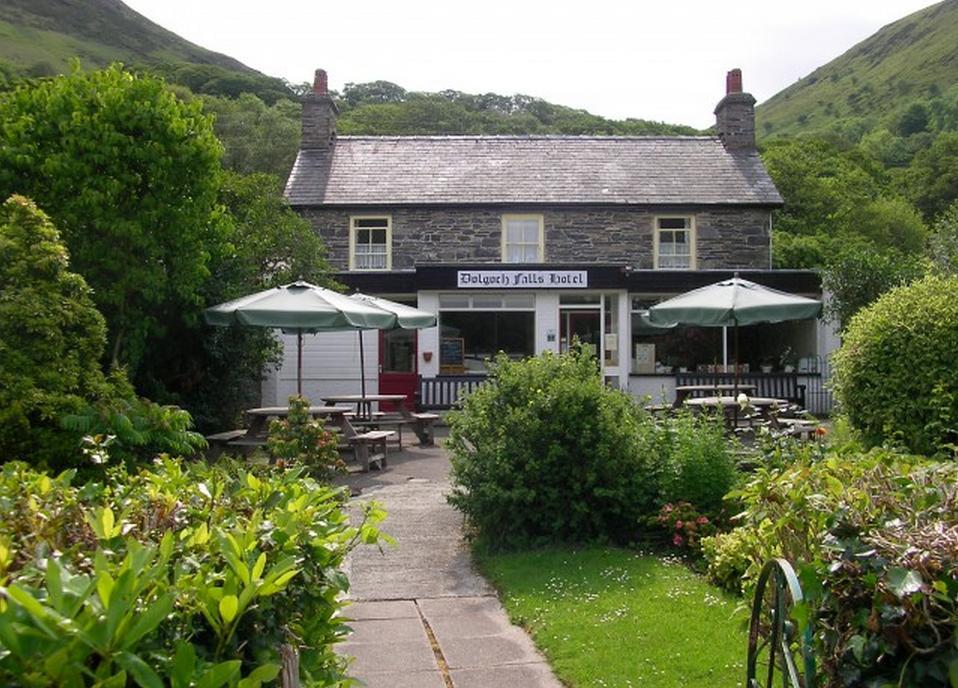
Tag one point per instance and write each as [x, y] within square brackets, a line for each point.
[775, 385]
[442, 392]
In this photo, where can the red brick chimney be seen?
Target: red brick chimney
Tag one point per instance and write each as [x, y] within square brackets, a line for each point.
[735, 114]
[319, 115]
[321, 83]
[733, 81]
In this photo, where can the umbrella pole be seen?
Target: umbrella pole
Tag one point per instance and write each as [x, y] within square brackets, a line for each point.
[362, 365]
[736, 357]
[725, 348]
[299, 363]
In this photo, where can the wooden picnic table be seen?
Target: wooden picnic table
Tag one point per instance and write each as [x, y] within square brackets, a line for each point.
[259, 416]
[364, 403]
[422, 423]
[683, 392]
[731, 408]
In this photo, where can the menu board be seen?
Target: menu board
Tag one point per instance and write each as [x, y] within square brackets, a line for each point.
[452, 355]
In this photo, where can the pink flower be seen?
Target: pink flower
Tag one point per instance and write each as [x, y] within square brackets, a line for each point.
[702, 520]
[678, 525]
[677, 540]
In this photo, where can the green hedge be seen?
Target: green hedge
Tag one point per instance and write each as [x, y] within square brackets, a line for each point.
[896, 374]
[546, 452]
[180, 575]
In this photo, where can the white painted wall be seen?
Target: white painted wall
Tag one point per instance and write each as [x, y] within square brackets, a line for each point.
[330, 367]
[547, 321]
[428, 342]
[659, 388]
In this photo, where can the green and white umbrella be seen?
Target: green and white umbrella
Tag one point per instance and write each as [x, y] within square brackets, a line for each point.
[302, 307]
[734, 302]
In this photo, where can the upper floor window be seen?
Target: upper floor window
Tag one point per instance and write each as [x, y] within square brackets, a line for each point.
[674, 243]
[370, 243]
[522, 239]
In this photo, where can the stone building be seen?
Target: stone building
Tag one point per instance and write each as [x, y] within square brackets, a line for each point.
[522, 243]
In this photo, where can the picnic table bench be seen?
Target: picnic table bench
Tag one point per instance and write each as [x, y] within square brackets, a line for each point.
[421, 423]
[368, 447]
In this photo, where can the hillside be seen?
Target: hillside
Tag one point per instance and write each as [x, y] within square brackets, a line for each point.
[913, 57]
[40, 37]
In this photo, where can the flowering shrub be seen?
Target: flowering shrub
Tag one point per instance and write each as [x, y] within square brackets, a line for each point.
[685, 525]
[300, 439]
[182, 574]
[874, 537]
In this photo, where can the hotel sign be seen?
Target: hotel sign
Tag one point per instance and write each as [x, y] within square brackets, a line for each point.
[522, 279]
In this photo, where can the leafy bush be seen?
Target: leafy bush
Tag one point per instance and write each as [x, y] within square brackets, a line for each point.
[51, 336]
[300, 439]
[696, 465]
[183, 574]
[896, 374]
[135, 429]
[545, 451]
[875, 540]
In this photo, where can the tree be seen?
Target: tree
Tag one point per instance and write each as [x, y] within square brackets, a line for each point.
[256, 137]
[859, 274]
[216, 372]
[835, 197]
[944, 242]
[51, 335]
[933, 175]
[129, 174]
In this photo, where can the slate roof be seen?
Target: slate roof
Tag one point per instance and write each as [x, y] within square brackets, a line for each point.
[626, 170]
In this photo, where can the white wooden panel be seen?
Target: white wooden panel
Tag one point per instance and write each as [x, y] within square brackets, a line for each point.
[547, 321]
[659, 389]
[429, 338]
[330, 366]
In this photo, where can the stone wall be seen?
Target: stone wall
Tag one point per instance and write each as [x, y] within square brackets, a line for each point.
[726, 237]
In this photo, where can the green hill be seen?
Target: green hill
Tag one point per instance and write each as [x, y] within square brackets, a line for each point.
[41, 37]
[913, 57]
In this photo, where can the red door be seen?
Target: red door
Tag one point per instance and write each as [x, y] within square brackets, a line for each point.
[397, 365]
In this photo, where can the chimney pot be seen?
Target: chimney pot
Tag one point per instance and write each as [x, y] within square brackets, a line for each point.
[321, 83]
[319, 115]
[733, 81]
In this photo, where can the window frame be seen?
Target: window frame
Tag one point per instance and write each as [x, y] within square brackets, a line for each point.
[692, 235]
[506, 218]
[353, 230]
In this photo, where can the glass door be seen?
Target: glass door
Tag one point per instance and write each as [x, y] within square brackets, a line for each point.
[586, 324]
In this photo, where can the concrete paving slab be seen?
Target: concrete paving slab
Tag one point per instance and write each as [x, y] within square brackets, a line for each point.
[517, 676]
[387, 630]
[513, 647]
[418, 679]
[457, 606]
[388, 657]
[471, 625]
[431, 574]
[398, 609]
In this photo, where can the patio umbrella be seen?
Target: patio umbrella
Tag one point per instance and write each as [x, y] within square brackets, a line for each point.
[298, 308]
[406, 318]
[734, 302]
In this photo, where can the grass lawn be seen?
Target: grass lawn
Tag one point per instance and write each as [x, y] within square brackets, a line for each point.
[614, 617]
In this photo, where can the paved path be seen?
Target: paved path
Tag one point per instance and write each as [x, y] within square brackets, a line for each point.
[423, 617]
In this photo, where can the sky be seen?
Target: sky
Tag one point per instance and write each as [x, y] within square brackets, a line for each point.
[633, 58]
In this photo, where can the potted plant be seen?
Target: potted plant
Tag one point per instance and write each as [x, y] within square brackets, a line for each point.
[788, 360]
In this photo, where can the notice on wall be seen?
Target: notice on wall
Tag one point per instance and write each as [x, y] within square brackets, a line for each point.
[522, 279]
[452, 355]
